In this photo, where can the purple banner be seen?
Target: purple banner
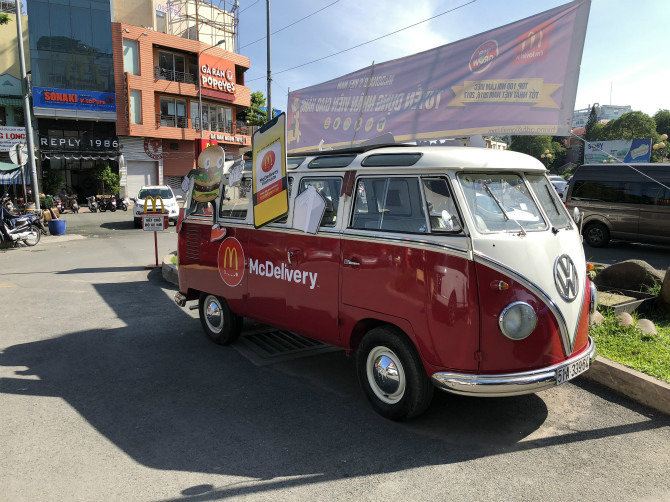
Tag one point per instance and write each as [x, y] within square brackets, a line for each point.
[515, 80]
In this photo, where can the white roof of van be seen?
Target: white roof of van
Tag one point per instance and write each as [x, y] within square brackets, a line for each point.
[456, 157]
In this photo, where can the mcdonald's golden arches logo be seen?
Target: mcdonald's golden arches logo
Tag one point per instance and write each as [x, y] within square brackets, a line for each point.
[154, 201]
[231, 261]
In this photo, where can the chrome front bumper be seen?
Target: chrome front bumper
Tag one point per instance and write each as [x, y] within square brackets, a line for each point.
[508, 384]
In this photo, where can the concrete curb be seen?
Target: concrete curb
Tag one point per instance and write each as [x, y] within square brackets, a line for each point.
[633, 384]
[642, 388]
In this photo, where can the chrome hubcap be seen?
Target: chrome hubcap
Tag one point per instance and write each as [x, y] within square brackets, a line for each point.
[213, 314]
[386, 375]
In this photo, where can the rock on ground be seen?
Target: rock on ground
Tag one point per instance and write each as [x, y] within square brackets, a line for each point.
[625, 319]
[646, 326]
[629, 274]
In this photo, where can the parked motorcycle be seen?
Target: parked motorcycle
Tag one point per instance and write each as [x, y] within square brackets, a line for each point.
[7, 203]
[123, 203]
[71, 203]
[106, 204]
[27, 228]
[92, 203]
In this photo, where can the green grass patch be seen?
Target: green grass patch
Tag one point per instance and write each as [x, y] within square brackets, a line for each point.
[174, 259]
[649, 354]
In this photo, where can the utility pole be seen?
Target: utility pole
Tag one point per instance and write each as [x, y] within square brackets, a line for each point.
[269, 115]
[25, 90]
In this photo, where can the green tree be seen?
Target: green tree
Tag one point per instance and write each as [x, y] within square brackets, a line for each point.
[631, 125]
[108, 181]
[537, 146]
[254, 115]
[662, 118]
[52, 181]
[597, 133]
[590, 123]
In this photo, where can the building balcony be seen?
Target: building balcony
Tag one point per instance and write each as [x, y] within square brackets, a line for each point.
[173, 75]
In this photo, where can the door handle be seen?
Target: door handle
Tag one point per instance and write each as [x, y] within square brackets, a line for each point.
[351, 263]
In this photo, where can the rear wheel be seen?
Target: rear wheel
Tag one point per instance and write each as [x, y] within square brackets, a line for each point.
[220, 324]
[596, 235]
[35, 236]
[392, 375]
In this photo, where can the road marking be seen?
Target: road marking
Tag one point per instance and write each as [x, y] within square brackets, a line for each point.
[7, 285]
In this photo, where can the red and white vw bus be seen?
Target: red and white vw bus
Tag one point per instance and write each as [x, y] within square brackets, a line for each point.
[455, 268]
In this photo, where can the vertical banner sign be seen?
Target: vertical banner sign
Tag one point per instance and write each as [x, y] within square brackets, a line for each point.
[518, 79]
[270, 194]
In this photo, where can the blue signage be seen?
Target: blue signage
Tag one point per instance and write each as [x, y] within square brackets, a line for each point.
[50, 97]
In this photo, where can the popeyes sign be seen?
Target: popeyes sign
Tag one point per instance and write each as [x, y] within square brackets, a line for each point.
[217, 74]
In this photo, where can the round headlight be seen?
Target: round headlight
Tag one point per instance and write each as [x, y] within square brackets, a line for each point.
[517, 320]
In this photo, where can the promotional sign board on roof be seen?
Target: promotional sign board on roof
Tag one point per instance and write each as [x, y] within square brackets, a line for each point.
[517, 79]
[270, 194]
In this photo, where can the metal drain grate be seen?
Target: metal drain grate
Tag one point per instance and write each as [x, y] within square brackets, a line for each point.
[270, 346]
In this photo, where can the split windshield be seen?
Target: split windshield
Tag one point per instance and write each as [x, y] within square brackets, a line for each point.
[501, 203]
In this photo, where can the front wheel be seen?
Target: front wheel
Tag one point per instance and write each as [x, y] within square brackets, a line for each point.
[392, 375]
[35, 236]
[102, 209]
[596, 235]
[221, 325]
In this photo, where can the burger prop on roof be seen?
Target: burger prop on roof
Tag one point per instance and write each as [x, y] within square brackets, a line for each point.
[208, 175]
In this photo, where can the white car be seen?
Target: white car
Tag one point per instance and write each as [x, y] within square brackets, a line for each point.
[559, 184]
[162, 191]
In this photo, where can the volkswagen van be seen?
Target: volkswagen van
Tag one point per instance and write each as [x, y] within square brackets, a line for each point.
[437, 267]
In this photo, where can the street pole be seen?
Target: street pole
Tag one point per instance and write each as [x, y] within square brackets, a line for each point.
[269, 114]
[26, 109]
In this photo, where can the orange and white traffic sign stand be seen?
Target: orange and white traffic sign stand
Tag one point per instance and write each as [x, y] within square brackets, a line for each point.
[153, 221]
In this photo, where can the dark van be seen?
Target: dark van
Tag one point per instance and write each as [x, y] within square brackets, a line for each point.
[621, 201]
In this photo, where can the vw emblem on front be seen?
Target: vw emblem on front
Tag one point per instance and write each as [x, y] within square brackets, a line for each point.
[565, 277]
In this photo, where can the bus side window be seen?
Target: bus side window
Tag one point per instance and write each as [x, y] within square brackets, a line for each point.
[329, 189]
[439, 199]
[389, 204]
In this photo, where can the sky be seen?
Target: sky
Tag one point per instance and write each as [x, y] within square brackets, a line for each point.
[625, 58]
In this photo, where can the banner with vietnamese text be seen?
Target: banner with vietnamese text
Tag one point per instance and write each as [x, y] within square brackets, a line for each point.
[515, 80]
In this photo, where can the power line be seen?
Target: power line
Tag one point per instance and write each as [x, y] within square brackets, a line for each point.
[368, 42]
[289, 25]
[246, 8]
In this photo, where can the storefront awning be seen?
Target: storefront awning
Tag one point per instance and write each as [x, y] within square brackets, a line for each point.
[4, 101]
[81, 156]
[10, 178]
[6, 166]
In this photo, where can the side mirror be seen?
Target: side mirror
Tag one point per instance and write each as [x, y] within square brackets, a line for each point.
[576, 215]
[447, 219]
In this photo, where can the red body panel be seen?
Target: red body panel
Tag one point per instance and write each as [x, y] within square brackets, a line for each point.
[444, 303]
[543, 347]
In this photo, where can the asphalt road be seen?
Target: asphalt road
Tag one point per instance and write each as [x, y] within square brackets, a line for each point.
[657, 256]
[109, 391]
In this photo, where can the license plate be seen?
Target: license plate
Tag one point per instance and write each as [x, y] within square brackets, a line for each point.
[570, 371]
